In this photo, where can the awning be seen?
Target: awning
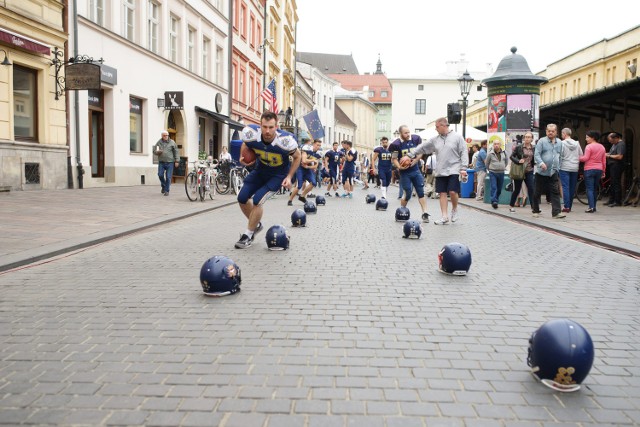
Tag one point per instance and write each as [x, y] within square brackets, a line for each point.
[221, 118]
[24, 42]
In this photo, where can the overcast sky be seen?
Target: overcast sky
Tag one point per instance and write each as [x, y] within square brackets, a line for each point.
[416, 37]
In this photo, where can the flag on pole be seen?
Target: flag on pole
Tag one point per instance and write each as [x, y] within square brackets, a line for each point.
[269, 96]
[314, 124]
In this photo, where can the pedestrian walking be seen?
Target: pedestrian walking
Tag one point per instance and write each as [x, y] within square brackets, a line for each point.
[168, 158]
[569, 165]
[547, 160]
[496, 165]
[481, 170]
[523, 154]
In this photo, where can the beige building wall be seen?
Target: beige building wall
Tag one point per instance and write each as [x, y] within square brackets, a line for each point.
[363, 114]
[282, 18]
[40, 21]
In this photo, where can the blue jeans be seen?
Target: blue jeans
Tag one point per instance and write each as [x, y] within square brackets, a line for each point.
[497, 181]
[568, 181]
[165, 172]
[591, 183]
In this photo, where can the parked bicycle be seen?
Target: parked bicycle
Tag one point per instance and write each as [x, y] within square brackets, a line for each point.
[230, 177]
[633, 193]
[581, 189]
[200, 181]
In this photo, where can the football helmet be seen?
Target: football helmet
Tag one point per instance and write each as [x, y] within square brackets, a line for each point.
[412, 229]
[403, 213]
[220, 276]
[370, 198]
[277, 239]
[454, 258]
[320, 201]
[310, 207]
[561, 354]
[382, 205]
[298, 218]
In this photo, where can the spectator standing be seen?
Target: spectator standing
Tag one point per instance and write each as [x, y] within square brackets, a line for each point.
[168, 158]
[450, 169]
[615, 164]
[523, 153]
[547, 160]
[595, 167]
[569, 165]
[496, 165]
[481, 170]
[225, 156]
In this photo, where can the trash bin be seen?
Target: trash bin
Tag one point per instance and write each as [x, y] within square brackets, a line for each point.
[466, 188]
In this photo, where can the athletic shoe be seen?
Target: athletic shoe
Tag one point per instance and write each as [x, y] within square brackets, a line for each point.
[425, 217]
[244, 242]
[494, 205]
[337, 195]
[328, 194]
[344, 195]
[441, 221]
[536, 214]
[289, 203]
[512, 210]
[560, 215]
[566, 210]
[454, 215]
[350, 195]
[257, 230]
[166, 193]
[302, 199]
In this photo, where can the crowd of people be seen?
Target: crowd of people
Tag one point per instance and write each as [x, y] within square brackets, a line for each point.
[436, 167]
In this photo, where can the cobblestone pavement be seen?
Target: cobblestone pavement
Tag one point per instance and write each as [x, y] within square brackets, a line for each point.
[353, 326]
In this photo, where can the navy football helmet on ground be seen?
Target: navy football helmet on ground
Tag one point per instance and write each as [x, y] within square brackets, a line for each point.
[220, 276]
[370, 198]
[454, 258]
[403, 213]
[310, 207]
[277, 239]
[382, 205]
[412, 229]
[320, 201]
[561, 354]
[299, 218]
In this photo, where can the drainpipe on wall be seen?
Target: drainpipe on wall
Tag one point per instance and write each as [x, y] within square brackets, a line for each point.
[76, 101]
[65, 28]
[230, 72]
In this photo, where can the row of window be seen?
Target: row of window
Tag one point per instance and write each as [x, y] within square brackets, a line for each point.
[383, 93]
[194, 53]
[251, 30]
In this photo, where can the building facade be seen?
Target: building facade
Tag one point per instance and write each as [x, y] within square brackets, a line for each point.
[247, 59]
[165, 66]
[363, 113]
[34, 148]
[324, 88]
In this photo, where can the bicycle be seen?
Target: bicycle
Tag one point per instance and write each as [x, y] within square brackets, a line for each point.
[633, 193]
[237, 176]
[223, 181]
[200, 181]
[604, 187]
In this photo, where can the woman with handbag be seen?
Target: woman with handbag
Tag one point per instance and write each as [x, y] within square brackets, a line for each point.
[522, 158]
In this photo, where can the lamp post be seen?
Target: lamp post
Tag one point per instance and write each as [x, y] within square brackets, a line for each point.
[465, 82]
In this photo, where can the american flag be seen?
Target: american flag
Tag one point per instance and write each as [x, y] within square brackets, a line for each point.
[269, 95]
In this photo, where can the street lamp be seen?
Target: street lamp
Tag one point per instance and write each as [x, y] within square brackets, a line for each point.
[465, 82]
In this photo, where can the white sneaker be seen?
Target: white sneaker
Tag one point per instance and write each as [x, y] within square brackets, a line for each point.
[441, 221]
[454, 215]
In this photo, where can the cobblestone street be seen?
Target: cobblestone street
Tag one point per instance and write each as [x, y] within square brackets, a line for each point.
[353, 326]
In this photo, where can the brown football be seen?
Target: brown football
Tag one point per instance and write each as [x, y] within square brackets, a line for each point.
[248, 155]
[405, 161]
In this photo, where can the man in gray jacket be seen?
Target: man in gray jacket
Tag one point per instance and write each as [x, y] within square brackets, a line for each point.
[569, 165]
[168, 157]
[547, 160]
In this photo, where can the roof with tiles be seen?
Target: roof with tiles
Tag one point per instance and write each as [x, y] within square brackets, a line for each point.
[329, 63]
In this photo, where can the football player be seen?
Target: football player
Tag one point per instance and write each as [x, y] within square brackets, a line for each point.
[306, 173]
[383, 170]
[332, 160]
[409, 175]
[273, 170]
[349, 168]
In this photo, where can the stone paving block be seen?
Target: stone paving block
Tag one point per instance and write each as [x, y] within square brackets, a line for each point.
[127, 418]
[244, 420]
[164, 418]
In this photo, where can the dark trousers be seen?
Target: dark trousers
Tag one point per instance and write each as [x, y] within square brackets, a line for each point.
[165, 171]
[615, 172]
[547, 184]
[517, 186]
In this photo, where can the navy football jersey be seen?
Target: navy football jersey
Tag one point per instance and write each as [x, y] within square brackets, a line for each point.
[384, 158]
[311, 155]
[274, 157]
[403, 148]
[350, 165]
[333, 158]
